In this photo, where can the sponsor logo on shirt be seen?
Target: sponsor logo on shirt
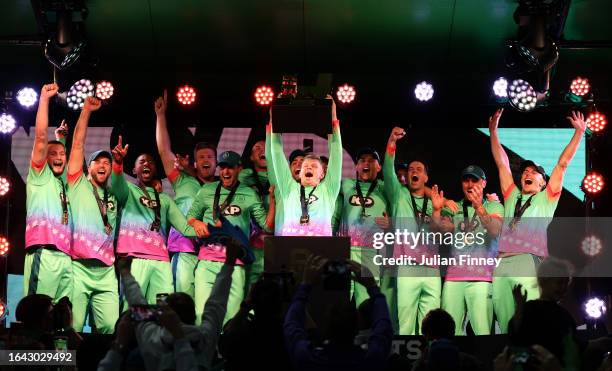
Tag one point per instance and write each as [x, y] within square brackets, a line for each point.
[151, 204]
[354, 201]
[232, 210]
[312, 199]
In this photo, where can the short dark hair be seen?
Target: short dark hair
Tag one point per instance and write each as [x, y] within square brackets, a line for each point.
[204, 145]
[425, 165]
[56, 142]
[438, 324]
[184, 307]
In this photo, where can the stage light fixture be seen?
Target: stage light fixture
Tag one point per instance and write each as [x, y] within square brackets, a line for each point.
[104, 90]
[591, 246]
[4, 246]
[27, 97]
[8, 125]
[596, 122]
[595, 308]
[2, 310]
[592, 183]
[522, 95]
[424, 91]
[580, 86]
[500, 87]
[78, 92]
[186, 95]
[346, 94]
[264, 95]
[5, 186]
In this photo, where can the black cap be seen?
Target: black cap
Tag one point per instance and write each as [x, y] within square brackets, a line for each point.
[99, 153]
[525, 164]
[367, 151]
[229, 158]
[475, 171]
[296, 153]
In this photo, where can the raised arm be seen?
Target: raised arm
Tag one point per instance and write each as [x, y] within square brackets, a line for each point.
[39, 151]
[161, 134]
[119, 186]
[280, 165]
[178, 220]
[77, 152]
[555, 184]
[392, 184]
[499, 155]
[333, 178]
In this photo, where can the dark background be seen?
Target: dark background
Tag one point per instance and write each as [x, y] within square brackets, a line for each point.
[226, 48]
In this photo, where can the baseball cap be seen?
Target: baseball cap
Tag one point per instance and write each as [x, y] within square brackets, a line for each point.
[296, 153]
[229, 158]
[474, 171]
[368, 151]
[99, 153]
[525, 164]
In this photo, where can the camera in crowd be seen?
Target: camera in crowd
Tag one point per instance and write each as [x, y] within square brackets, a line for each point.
[336, 275]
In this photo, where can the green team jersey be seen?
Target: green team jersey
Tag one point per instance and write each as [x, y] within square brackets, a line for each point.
[185, 188]
[484, 246]
[247, 178]
[90, 239]
[136, 237]
[529, 234]
[244, 205]
[321, 200]
[358, 222]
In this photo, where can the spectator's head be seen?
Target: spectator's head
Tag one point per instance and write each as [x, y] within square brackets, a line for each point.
[267, 298]
[438, 324]
[342, 327]
[184, 307]
[364, 315]
[35, 312]
[554, 276]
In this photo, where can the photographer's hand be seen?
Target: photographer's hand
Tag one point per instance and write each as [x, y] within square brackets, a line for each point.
[361, 274]
[312, 269]
[171, 322]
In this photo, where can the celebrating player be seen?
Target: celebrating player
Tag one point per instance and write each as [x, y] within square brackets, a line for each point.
[95, 282]
[468, 286]
[47, 267]
[237, 204]
[308, 206]
[419, 286]
[144, 223]
[528, 212]
[186, 180]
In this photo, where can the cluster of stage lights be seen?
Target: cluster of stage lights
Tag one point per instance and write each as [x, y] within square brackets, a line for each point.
[595, 308]
[5, 186]
[8, 125]
[522, 96]
[104, 90]
[591, 245]
[264, 95]
[592, 183]
[580, 86]
[424, 91]
[78, 92]
[596, 122]
[186, 95]
[4, 246]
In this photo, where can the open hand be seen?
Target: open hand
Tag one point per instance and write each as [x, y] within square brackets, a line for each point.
[577, 120]
[494, 120]
[200, 228]
[437, 198]
[361, 274]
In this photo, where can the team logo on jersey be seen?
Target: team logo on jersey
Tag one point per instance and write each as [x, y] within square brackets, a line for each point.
[232, 210]
[355, 201]
[312, 199]
[110, 205]
[151, 204]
